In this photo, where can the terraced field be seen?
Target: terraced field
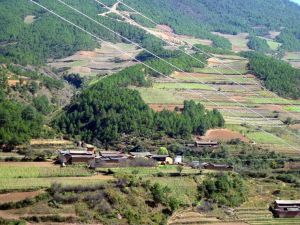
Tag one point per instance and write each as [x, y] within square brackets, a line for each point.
[254, 211]
[103, 60]
[245, 104]
[35, 175]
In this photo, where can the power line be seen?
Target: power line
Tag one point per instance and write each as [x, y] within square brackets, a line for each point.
[98, 38]
[170, 64]
[206, 53]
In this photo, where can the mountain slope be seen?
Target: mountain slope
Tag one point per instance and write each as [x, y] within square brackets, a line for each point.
[197, 17]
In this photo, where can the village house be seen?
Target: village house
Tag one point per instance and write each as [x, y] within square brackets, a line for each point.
[140, 155]
[74, 156]
[163, 159]
[286, 208]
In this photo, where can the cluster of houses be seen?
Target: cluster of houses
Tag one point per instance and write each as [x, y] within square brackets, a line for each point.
[88, 155]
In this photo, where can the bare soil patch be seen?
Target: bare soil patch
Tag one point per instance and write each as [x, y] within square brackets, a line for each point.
[295, 127]
[18, 196]
[29, 19]
[49, 142]
[273, 34]
[223, 135]
[161, 107]
[165, 28]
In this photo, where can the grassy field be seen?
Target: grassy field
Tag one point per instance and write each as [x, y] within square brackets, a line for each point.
[272, 44]
[239, 41]
[23, 176]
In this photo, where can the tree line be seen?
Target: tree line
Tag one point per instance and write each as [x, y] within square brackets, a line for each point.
[108, 110]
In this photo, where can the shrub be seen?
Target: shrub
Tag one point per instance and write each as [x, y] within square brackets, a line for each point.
[224, 189]
[288, 178]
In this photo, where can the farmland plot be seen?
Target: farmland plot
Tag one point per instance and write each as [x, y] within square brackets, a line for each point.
[240, 98]
[27, 176]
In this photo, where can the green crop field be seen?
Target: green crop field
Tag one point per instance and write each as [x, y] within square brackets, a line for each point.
[37, 183]
[277, 100]
[228, 71]
[7, 171]
[192, 86]
[33, 177]
[160, 96]
[293, 108]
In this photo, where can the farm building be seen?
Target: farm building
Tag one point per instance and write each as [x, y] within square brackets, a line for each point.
[286, 208]
[211, 144]
[163, 159]
[178, 159]
[72, 156]
[140, 154]
[202, 144]
[213, 166]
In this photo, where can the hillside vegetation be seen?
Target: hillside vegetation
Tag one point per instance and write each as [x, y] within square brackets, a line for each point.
[49, 37]
[278, 76]
[226, 16]
[109, 109]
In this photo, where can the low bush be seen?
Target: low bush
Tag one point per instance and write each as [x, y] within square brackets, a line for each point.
[24, 203]
[55, 218]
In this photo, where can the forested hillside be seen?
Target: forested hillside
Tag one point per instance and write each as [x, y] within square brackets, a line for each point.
[197, 17]
[30, 35]
[278, 76]
[46, 37]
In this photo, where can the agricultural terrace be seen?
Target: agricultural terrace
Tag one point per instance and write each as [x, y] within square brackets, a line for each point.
[293, 58]
[201, 86]
[35, 175]
[100, 61]
[239, 42]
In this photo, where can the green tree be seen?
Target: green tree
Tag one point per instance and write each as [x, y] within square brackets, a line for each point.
[163, 151]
